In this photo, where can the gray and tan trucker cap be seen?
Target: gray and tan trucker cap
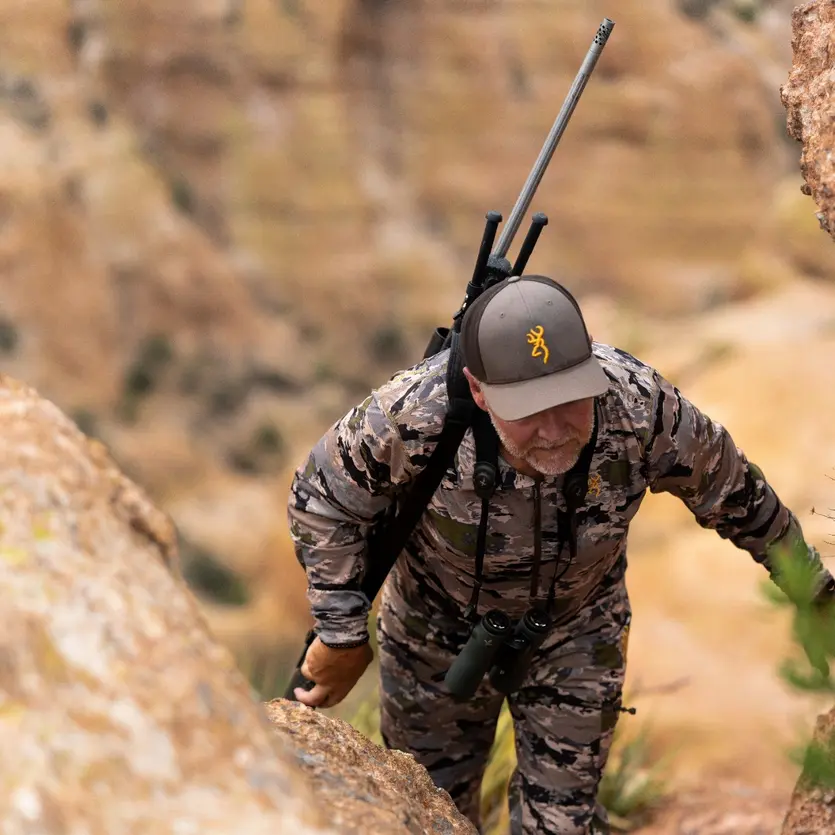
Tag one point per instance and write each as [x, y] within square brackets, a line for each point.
[526, 342]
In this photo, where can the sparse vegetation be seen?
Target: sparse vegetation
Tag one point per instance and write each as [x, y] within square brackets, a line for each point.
[634, 784]
[632, 788]
[98, 113]
[182, 196]
[9, 336]
[153, 355]
[142, 377]
[747, 10]
[26, 102]
[808, 669]
[262, 453]
[366, 719]
[227, 397]
[207, 575]
[387, 344]
[267, 674]
[324, 372]
[76, 35]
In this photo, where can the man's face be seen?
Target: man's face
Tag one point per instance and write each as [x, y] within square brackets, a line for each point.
[550, 441]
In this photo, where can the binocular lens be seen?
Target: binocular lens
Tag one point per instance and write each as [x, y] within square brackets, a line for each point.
[495, 647]
[496, 623]
[536, 622]
[514, 659]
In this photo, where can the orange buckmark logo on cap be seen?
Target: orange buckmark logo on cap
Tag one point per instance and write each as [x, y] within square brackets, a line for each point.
[536, 338]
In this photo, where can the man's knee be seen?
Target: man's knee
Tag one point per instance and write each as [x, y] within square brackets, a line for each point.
[562, 750]
[452, 740]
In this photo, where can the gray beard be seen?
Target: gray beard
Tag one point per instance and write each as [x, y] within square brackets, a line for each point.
[557, 461]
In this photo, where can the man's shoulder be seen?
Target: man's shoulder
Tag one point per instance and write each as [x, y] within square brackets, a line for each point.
[417, 396]
[631, 401]
[625, 371]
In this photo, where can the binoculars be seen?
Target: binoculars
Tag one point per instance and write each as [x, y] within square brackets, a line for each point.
[496, 646]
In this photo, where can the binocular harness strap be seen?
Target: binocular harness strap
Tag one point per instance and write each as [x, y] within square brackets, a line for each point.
[485, 475]
[537, 539]
[575, 487]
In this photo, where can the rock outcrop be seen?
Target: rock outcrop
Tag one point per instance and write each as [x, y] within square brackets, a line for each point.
[222, 222]
[365, 788]
[812, 809]
[809, 98]
[119, 712]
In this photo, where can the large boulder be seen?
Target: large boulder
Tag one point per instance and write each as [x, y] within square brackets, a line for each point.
[119, 712]
[809, 98]
[364, 787]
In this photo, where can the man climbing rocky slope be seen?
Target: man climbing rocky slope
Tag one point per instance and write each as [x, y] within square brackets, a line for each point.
[220, 221]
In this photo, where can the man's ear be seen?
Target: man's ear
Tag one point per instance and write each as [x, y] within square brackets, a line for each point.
[475, 390]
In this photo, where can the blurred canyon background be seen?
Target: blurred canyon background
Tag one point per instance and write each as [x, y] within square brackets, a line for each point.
[222, 222]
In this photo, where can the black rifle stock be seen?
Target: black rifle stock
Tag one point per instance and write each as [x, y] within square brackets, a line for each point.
[390, 537]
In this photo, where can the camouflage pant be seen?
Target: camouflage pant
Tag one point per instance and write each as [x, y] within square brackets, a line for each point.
[564, 714]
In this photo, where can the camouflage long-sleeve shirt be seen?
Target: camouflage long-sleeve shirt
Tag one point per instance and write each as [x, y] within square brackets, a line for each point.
[649, 437]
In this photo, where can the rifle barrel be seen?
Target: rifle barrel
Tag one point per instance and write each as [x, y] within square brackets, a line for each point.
[529, 189]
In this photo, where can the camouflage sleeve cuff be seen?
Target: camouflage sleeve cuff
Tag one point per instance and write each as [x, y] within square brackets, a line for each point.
[341, 619]
[344, 645]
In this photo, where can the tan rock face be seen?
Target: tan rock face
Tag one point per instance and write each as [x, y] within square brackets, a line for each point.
[386, 131]
[222, 222]
[119, 712]
[809, 98]
[813, 809]
[364, 787]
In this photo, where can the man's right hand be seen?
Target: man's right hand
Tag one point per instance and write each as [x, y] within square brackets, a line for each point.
[334, 671]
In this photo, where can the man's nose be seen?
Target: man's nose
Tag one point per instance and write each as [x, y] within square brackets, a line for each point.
[552, 427]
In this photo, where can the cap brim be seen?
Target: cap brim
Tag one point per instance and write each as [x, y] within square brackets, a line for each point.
[514, 401]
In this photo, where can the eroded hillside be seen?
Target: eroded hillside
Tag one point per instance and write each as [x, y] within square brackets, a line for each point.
[222, 222]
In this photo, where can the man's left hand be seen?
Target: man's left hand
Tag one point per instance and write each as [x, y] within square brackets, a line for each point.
[334, 671]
